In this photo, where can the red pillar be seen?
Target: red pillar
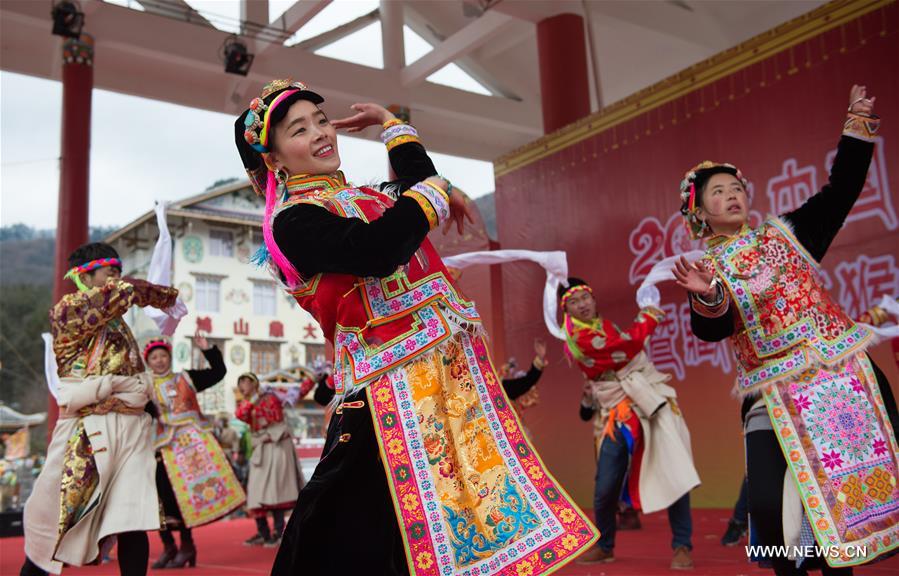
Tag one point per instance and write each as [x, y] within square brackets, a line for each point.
[72, 215]
[564, 82]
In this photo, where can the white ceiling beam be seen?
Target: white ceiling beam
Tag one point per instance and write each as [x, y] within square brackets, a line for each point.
[669, 19]
[459, 44]
[392, 43]
[537, 10]
[254, 11]
[292, 20]
[521, 31]
[342, 31]
[185, 69]
[173, 9]
[506, 87]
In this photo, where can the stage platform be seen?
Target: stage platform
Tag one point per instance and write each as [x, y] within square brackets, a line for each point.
[643, 552]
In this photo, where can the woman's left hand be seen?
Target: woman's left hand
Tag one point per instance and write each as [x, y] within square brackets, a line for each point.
[859, 103]
[367, 114]
[460, 209]
[200, 341]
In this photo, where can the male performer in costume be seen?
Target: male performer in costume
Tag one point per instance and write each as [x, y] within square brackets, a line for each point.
[98, 480]
[640, 432]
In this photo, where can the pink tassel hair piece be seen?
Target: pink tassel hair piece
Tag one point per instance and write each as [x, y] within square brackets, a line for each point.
[271, 198]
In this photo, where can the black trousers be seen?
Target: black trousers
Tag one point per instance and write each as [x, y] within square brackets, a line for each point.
[166, 492]
[133, 554]
[347, 493]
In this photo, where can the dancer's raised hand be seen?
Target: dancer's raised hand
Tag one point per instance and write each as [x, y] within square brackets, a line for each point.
[859, 103]
[459, 205]
[367, 114]
[540, 349]
[693, 278]
[200, 341]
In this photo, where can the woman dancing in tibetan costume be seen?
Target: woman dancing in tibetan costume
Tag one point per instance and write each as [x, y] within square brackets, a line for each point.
[195, 481]
[815, 405]
[428, 470]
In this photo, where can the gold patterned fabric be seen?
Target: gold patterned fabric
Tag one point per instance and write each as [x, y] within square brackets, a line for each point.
[102, 428]
[471, 495]
[89, 336]
[79, 479]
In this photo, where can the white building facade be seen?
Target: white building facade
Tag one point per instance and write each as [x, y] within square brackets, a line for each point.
[238, 306]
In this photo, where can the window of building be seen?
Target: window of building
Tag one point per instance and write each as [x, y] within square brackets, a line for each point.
[264, 299]
[264, 357]
[207, 293]
[315, 354]
[221, 243]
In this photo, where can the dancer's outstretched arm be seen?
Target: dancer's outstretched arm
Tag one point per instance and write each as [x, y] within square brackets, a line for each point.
[817, 222]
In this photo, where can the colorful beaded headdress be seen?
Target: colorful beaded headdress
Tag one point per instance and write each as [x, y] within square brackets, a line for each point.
[257, 133]
[74, 274]
[253, 133]
[574, 290]
[689, 193]
[155, 343]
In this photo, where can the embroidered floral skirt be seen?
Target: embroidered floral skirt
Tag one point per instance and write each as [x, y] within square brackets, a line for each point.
[430, 473]
[833, 428]
[199, 485]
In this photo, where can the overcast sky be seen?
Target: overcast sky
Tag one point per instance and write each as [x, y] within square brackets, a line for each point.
[138, 151]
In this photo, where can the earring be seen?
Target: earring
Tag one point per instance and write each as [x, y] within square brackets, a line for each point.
[281, 175]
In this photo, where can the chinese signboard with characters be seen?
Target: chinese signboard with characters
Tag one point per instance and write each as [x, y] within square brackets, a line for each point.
[606, 191]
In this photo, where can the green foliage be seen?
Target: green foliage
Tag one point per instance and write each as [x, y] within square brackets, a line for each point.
[23, 317]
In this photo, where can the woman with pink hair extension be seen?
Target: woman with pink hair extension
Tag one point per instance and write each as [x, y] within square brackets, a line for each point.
[427, 469]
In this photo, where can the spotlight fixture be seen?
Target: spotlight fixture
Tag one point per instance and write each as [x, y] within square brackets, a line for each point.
[236, 57]
[68, 19]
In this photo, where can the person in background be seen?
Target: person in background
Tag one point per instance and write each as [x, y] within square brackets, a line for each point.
[639, 430]
[193, 475]
[273, 478]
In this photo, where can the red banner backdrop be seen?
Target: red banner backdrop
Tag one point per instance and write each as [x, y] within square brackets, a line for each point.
[606, 191]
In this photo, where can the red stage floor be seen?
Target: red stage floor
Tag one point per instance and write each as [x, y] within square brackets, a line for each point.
[645, 552]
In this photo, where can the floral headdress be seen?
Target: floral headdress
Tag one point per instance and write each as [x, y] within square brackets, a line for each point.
[689, 193]
[253, 134]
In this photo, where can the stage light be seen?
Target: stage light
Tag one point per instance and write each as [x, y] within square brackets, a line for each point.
[68, 19]
[236, 56]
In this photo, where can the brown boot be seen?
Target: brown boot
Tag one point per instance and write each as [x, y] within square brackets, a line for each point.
[681, 560]
[596, 555]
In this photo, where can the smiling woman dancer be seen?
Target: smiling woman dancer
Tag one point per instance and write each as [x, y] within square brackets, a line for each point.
[428, 470]
[809, 391]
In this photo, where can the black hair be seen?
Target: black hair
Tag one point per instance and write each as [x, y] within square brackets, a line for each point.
[572, 282]
[93, 251]
[703, 177]
[251, 157]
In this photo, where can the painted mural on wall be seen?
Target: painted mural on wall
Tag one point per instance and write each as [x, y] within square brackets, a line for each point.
[192, 247]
